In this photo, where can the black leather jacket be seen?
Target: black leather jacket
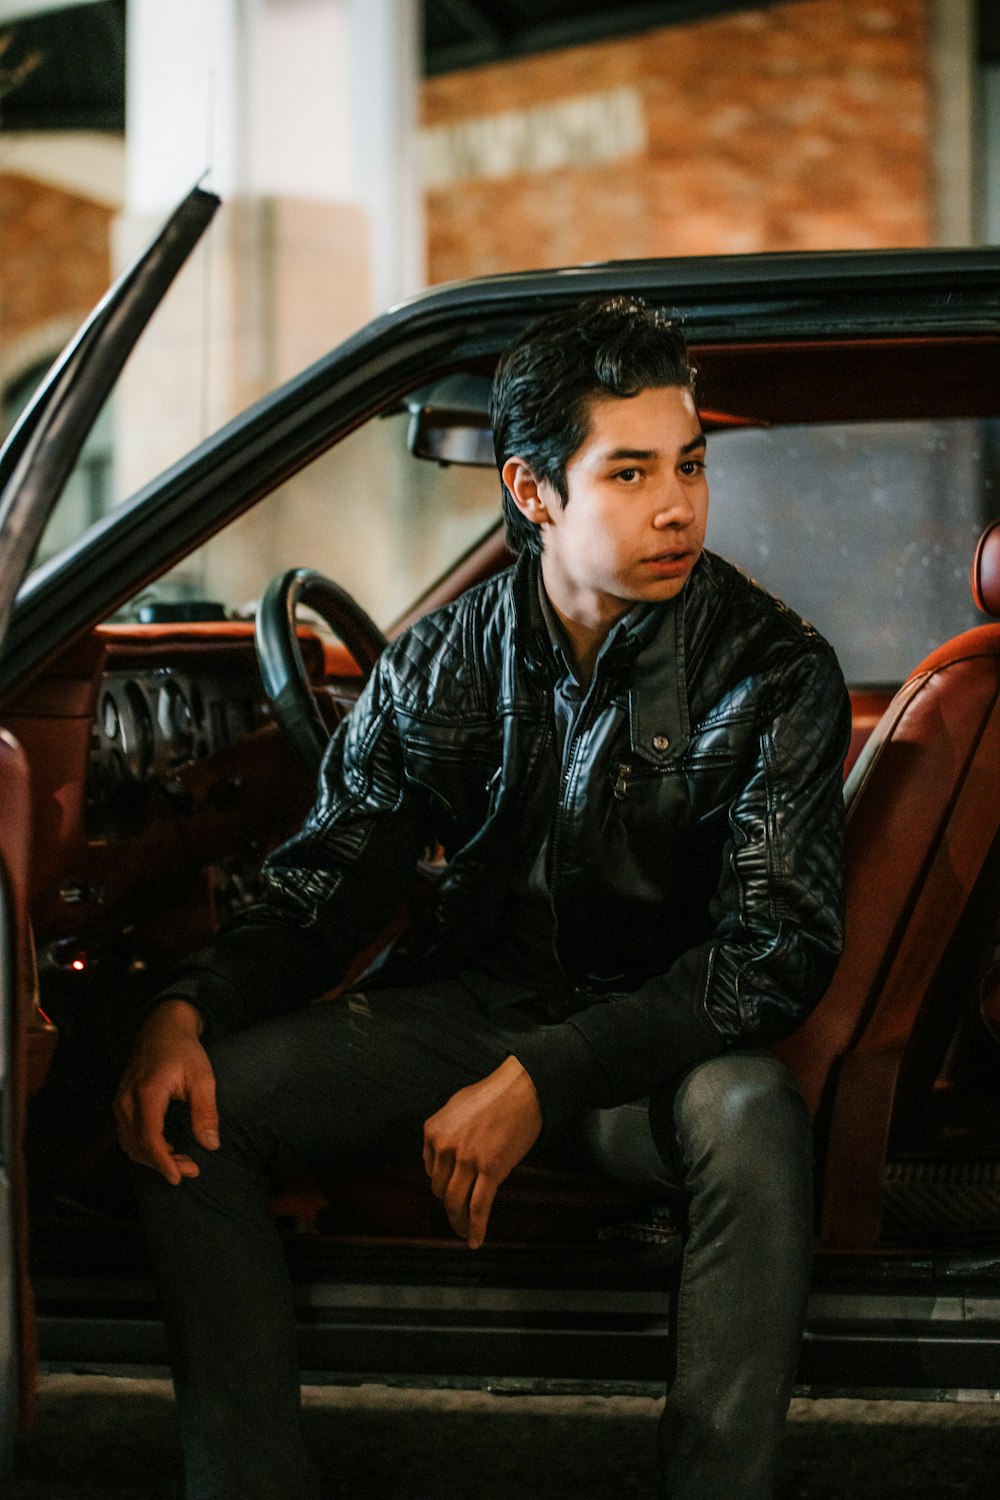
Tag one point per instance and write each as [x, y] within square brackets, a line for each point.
[696, 848]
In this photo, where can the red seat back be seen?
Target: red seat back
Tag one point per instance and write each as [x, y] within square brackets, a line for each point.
[923, 809]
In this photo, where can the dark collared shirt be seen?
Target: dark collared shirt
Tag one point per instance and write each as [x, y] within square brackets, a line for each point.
[525, 958]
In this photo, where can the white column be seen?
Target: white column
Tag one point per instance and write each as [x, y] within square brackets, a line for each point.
[990, 173]
[385, 54]
[182, 95]
[953, 60]
[254, 92]
[254, 98]
[302, 115]
[283, 102]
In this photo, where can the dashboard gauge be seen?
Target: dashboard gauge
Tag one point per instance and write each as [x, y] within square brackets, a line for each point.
[136, 732]
[109, 717]
[150, 725]
[175, 720]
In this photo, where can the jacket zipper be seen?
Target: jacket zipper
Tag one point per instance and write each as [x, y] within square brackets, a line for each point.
[628, 775]
[580, 724]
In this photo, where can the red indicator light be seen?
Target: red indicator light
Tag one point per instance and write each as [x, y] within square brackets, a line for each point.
[78, 964]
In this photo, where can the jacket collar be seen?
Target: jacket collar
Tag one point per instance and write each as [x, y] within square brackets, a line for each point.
[652, 649]
[532, 646]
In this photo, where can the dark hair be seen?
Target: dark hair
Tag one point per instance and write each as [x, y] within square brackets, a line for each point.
[609, 346]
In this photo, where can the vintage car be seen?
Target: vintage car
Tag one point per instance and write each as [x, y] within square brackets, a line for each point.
[158, 739]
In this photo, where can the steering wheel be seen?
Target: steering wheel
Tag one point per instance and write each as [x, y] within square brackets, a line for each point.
[286, 682]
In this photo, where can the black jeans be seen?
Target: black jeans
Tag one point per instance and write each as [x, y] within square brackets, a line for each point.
[357, 1077]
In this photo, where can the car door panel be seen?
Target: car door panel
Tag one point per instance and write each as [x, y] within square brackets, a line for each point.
[17, 1009]
[35, 463]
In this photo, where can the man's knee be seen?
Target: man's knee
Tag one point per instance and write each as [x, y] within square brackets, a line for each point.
[740, 1119]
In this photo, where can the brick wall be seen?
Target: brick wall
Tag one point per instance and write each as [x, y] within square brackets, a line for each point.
[54, 265]
[804, 126]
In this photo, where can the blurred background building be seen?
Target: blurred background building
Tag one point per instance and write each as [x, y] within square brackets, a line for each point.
[365, 148]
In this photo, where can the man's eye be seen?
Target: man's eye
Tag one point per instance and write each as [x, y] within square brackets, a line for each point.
[628, 475]
[692, 466]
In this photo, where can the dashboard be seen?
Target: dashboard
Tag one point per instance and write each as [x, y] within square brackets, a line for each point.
[160, 779]
[150, 725]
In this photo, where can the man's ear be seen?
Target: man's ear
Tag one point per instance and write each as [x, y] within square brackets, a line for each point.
[532, 496]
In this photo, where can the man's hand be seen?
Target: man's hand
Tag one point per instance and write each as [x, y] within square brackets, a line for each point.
[476, 1140]
[167, 1062]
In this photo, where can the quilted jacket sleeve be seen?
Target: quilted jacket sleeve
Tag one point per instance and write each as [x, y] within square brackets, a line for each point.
[777, 916]
[329, 891]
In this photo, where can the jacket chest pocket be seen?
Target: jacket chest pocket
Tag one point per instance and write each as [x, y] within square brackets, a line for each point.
[688, 797]
[667, 834]
[714, 767]
[655, 799]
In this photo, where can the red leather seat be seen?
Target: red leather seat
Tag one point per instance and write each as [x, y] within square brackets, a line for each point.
[923, 814]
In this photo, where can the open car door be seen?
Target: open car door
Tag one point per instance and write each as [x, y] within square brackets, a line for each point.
[35, 464]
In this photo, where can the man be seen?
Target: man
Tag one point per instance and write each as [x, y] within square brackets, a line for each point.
[631, 755]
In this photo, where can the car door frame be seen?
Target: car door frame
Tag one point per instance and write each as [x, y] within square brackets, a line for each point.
[35, 463]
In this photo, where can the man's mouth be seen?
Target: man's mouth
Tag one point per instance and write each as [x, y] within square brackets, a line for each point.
[672, 557]
[673, 562]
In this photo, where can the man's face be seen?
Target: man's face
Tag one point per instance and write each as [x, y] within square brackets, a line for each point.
[633, 526]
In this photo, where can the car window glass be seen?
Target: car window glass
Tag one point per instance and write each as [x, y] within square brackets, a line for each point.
[380, 522]
[865, 528]
[88, 492]
[195, 367]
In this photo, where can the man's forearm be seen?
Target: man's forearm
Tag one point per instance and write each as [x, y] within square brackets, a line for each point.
[623, 1045]
[259, 967]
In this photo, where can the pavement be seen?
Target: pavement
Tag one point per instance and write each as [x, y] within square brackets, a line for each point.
[97, 1437]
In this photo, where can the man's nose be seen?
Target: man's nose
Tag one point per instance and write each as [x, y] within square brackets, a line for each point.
[673, 507]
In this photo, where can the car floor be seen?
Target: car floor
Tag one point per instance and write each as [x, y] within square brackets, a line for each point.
[98, 1437]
